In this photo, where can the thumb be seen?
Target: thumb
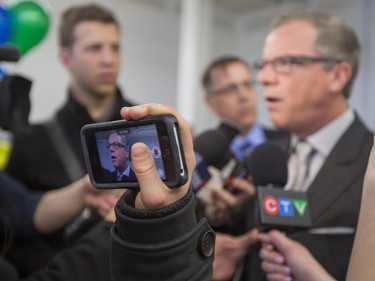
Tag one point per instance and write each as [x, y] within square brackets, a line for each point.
[281, 241]
[249, 237]
[147, 176]
[143, 163]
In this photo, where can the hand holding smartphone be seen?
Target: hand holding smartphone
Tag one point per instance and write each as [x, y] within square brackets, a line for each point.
[107, 150]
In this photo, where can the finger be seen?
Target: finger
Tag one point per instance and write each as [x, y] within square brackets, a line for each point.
[274, 268]
[152, 195]
[224, 196]
[107, 203]
[271, 256]
[243, 185]
[242, 241]
[278, 277]
[249, 238]
[281, 242]
[266, 237]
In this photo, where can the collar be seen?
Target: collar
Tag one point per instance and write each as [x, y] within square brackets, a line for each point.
[124, 173]
[73, 108]
[326, 137]
[254, 137]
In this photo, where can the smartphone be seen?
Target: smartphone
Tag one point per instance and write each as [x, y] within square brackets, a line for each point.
[107, 151]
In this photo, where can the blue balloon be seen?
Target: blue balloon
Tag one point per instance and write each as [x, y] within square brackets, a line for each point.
[5, 25]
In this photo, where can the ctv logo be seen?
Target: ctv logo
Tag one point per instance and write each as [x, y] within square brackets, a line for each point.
[284, 206]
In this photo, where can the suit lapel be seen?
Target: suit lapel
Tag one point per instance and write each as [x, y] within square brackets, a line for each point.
[346, 162]
[343, 165]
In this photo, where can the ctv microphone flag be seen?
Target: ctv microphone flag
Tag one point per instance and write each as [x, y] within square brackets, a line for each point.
[282, 209]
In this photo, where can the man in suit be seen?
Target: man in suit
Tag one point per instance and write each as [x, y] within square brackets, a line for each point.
[229, 93]
[229, 86]
[119, 152]
[308, 67]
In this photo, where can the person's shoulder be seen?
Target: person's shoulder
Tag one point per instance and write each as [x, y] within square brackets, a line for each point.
[107, 173]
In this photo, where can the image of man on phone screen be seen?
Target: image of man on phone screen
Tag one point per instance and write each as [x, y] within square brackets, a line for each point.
[119, 153]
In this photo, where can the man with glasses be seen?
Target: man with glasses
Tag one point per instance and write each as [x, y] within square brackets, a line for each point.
[230, 93]
[119, 153]
[308, 67]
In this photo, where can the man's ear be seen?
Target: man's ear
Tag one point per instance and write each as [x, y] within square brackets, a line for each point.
[342, 72]
[64, 56]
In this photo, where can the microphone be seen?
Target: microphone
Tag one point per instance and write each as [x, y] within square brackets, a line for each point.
[212, 153]
[9, 53]
[232, 168]
[200, 174]
[213, 146]
[276, 208]
[229, 129]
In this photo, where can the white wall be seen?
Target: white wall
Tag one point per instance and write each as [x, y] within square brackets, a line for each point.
[150, 52]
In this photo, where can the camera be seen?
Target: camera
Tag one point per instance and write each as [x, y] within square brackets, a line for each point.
[107, 147]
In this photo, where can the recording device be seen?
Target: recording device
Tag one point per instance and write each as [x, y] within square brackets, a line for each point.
[232, 168]
[214, 147]
[229, 129]
[14, 94]
[211, 152]
[160, 133]
[276, 208]
[14, 104]
[9, 53]
[201, 175]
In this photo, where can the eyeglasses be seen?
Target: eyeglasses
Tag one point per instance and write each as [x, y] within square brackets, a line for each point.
[232, 88]
[116, 145]
[285, 64]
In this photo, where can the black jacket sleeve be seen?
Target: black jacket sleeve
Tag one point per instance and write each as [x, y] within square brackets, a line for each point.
[165, 244]
[17, 206]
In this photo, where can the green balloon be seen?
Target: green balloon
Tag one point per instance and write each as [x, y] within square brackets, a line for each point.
[30, 24]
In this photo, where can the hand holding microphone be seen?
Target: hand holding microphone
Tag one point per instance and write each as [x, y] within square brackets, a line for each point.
[226, 187]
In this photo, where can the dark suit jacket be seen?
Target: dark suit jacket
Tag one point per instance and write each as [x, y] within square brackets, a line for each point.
[113, 176]
[334, 198]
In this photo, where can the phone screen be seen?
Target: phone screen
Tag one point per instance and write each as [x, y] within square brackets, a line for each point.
[114, 147]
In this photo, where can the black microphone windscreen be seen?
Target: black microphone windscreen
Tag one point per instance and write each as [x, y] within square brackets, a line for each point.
[213, 146]
[9, 53]
[230, 130]
[267, 164]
